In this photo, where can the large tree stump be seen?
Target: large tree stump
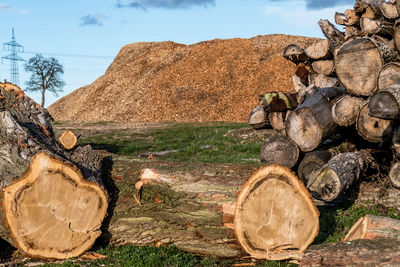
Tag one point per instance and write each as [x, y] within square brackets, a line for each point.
[334, 178]
[275, 217]
[372, 227]
[53, 203]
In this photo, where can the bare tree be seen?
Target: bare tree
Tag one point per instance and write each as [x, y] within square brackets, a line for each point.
[45, 75]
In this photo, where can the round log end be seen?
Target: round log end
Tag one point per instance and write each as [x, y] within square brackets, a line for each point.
[68, 139]
[324, 184]
[275, 217]
[279, 149]
[394, 175]
[383, 105]
[51, 212]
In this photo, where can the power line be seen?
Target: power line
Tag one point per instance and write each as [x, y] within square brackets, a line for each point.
[68, 55]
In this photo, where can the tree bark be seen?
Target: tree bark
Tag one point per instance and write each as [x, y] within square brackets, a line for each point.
[311, 162]
[394, 174]
[325, 67]
[334, 178]
[358, 64]
[275, 217]
[258, 119]
[52, 200]
[346, 109]
[281, 150]
[319, 50]
[373, 129]
[384, 104]
[380, 252]
[373, 227]
[295, 54]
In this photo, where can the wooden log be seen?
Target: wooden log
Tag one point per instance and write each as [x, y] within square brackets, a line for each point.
[340, 18]
[298, 85]
[358, 64]
[373, 11]
[396, 34]
[333, 179]
[372, 227]
[371, 128]
[325, 67]
[311, 122]
[275, 217]
[389, 75]
[322, 81]
[10, 86]
[68, 139]
[302, 71]
[53, 201]
[319, 50]
[335, 37]
[345, 110]
[295, 54]
[362, 5]
[380, 252]
[277, 121]
[379, 27]
[258, 119]
[279, 149]
[352, 32]
[352, 18]
[311, 162]
[396, 141]
[278, 101]
[394, 174]
[389, 10]
[384, 104]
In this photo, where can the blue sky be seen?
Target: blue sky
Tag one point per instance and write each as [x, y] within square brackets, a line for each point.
[86, 35]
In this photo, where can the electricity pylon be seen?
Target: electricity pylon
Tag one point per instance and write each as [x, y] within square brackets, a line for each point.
[14, 47]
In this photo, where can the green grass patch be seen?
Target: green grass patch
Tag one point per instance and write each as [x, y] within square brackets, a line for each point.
[194, 142]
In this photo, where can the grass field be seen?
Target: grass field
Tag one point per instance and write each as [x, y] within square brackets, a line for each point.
[202, 143]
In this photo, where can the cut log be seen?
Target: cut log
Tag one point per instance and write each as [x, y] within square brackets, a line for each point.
[384, 104]
[380, 252]
[352, 18]
[373, 10]
[340, 18]
[345, 110]
[311, 162]
[372, 227]
[322, 81]
[325, 67]
[358, 64]
[258, 118]
[389, 75]
[394, 174]
[68, 140]
[311, 122]
[53, 203]
[275, 217]
[302, 71]
[335, 37]
[379, 27]
[298, 85]
[396, 34]
[278, 101]
[389, 10]
[10, 86]
[396, 141]
[333, 179]
[279, 149]
[295, 54]
[373, 129]
[362, 5]
[352, 32]
[319, 50]
[277, 121]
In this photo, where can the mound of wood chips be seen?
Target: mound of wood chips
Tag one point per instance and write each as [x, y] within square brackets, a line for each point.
[216, 80]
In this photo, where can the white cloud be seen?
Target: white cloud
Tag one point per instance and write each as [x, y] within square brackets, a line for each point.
[4, 7]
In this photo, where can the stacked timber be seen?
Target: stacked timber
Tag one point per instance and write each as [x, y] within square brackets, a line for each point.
[52, 200]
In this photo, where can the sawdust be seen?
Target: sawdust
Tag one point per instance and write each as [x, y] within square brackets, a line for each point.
[217, 80]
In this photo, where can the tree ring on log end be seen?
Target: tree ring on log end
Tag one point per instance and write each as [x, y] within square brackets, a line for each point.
[275, 217]
[324, 184]
[68, 139]
[51, 211]
[373, 129]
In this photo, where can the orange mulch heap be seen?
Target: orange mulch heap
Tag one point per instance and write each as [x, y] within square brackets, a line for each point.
[217, 80]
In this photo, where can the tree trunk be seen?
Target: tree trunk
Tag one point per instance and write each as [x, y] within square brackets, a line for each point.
[384, 104]
[373, 129]
[319, 50]
[394, 174]
[275, 217]
[380, 252]
[358, 64]
[389, 10]
[311, 162]
[68, 140]
[334, 178]
[295, 54]
[346, 109]
[372, 227]
[379, 27]
[335, 37]
[279, 149]
[389, 75]
[53, 203]
[325, 67]
[277, 120]
[43, 96]
[311, 122]
[258, 119]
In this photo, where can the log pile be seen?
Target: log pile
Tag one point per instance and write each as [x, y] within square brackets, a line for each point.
[52, 201]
